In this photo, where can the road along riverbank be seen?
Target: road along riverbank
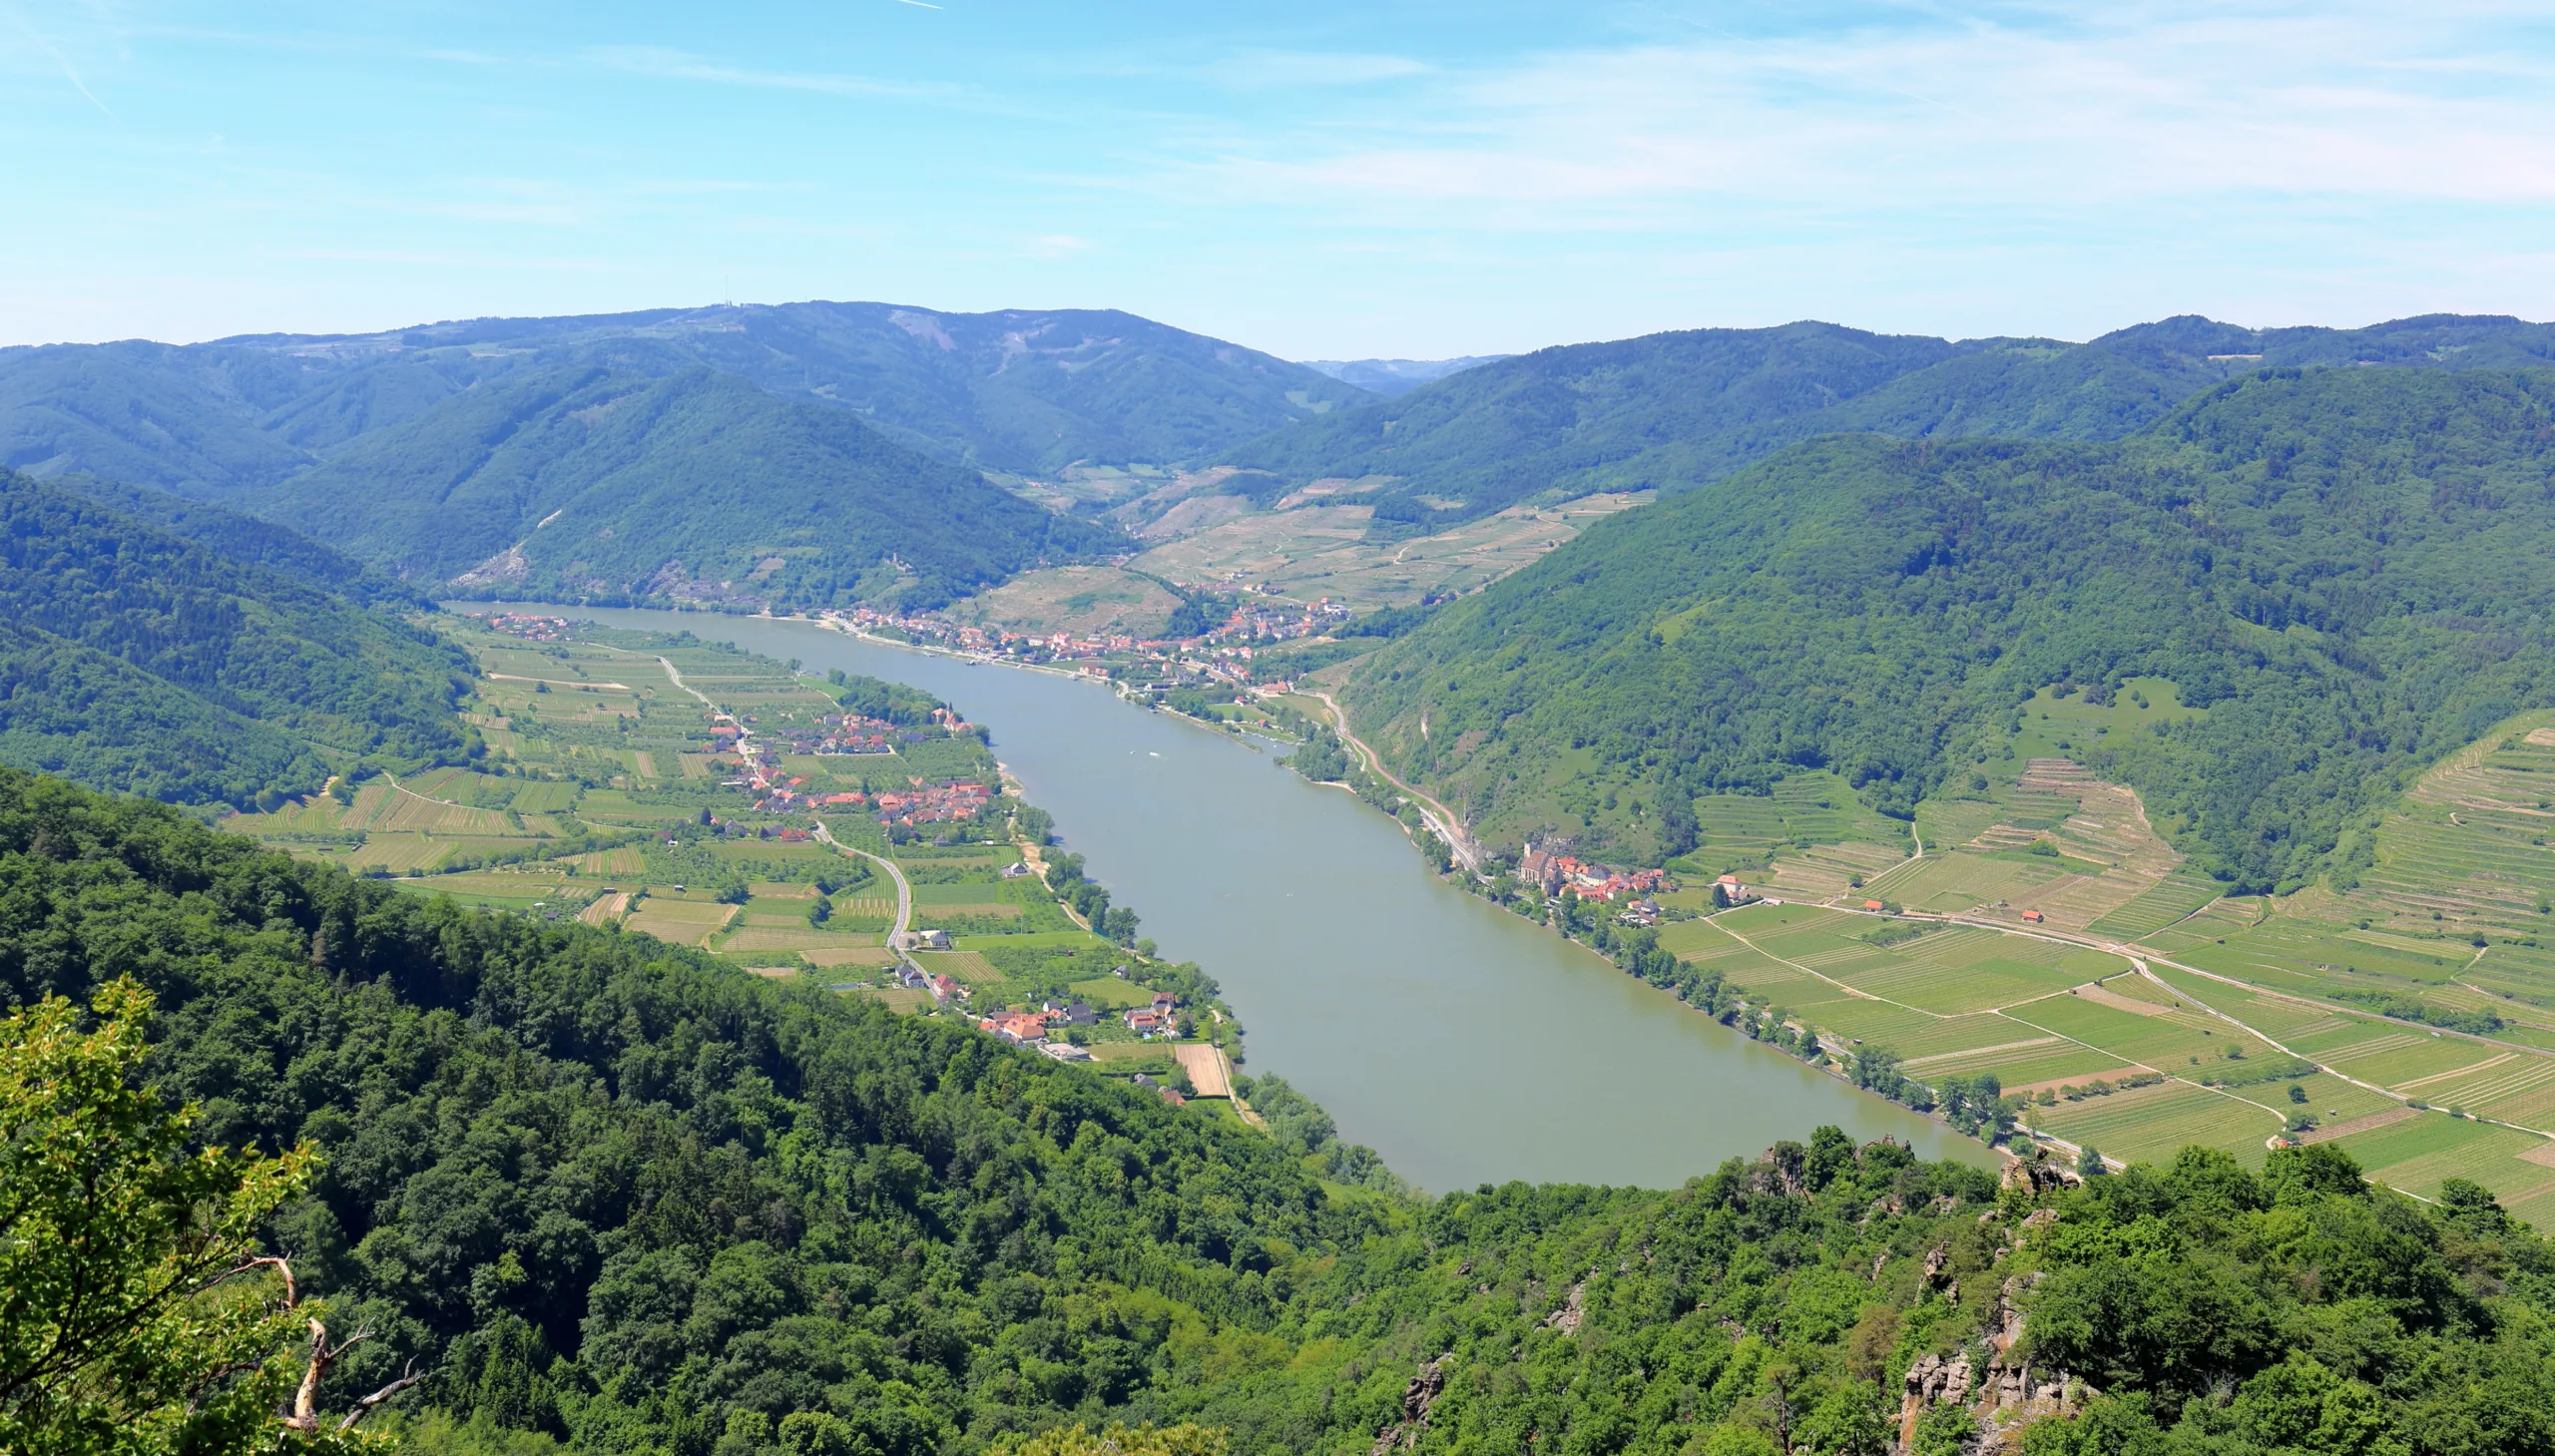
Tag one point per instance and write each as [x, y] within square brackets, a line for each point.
[1459, 1040]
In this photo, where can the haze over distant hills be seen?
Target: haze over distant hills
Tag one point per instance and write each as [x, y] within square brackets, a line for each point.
[1672, 410]
[596, 484]
[760, 455]
[817, 453]
[1392, 378]
[1019, 391]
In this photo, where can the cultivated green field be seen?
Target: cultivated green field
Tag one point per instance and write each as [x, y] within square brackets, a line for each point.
[2352, 995]
[607, 794]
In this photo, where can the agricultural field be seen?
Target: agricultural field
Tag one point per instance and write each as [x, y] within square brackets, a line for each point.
[2455, 909]
[2140, 1059]
[1085, 601]
[2047, 934]
[1813, 820]
[1316, 546]
[610, 793]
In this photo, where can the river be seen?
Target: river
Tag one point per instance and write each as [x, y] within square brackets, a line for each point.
[1460, 1042]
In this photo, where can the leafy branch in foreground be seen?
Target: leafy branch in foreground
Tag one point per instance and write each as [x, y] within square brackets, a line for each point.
[137, 1313]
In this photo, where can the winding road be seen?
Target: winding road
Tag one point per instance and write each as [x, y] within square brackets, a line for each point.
[1440, 818]
[904, 890]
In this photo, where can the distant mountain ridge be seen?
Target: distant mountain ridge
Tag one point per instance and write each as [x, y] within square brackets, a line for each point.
[1392, 378]
[1019, 391]
[1672, 410]
[587, 483]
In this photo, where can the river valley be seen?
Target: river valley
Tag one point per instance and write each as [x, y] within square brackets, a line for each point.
[1462, 1043]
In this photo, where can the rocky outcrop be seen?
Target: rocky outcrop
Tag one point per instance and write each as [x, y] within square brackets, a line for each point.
[2038, 1175]
[2003, 1392]
[1574, 1309]
[1417, 1398]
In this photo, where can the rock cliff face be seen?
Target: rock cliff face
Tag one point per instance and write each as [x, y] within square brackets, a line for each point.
[1416, 1397]
[2001, 1390]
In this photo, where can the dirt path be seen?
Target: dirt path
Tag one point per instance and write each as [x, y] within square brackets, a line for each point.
[567, 682]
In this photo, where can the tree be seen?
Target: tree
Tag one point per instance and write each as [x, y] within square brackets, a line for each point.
[1117, 1440]
[136, 1312]
[1036, 826]
[2089, 1161]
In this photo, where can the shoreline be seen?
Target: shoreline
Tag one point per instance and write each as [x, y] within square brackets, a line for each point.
[1466, 877]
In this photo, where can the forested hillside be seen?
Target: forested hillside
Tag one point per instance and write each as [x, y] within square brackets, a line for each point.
[2346, 568]
[237, 536]
[592, 484]
[1672, 410]
[140, 659]
[610, 1197]
[1022, 391]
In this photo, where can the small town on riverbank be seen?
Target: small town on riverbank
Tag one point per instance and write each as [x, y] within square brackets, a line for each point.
[1223, 652]
[850, 832]
[2028, 963]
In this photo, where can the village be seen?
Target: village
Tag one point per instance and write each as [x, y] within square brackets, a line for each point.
[1553, 873]
[1222, 654]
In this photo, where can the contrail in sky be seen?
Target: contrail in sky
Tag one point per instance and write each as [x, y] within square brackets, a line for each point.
[73, 76]
[919, 4]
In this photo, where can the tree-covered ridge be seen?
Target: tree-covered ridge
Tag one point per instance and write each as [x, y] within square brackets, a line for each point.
[1673, 410]
[140, 659]
[2342, 566]
[619, 1199]
[239, 537]
[715, 1194]
[1030, 392]
[596, 484]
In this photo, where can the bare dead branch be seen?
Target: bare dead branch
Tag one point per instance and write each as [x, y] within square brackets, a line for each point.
[292, 1290]
[364, 1407]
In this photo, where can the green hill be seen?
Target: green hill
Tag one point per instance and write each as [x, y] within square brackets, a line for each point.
[136, 658]
[610, 1197]
[589, 484]
[1673, 410]
[156, 414]
[1023, 391]
[239, 537]
[2342, 566]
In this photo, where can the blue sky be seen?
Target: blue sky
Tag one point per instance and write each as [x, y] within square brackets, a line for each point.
[1317, 178]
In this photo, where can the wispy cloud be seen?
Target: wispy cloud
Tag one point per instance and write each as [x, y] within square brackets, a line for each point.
[1293, 70]
[2056, 105]
[684, 66]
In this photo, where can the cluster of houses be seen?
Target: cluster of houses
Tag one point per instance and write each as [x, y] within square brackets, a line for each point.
[1280, 624]
[1554, 873]
[852, 733]
[936, 803]
[1223, 652]
[1154, 1020]
[1030, 1027]
[945, 989]
[517, 623]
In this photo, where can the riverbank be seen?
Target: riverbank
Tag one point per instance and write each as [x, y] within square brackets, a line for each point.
[1463, 1044]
